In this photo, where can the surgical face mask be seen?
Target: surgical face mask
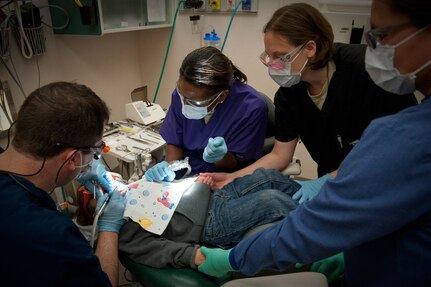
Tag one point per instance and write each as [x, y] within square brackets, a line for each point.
[194, 112]
[379, 63]
[284, 77]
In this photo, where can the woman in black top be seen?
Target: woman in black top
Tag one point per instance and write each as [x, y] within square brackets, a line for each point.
[326, 98]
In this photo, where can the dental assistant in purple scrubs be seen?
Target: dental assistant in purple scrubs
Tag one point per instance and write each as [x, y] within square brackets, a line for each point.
[215, 118]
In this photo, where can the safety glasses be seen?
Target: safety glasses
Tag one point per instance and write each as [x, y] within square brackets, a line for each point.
[204, 103]
[97, 149]
[278, 63]
[376, 35]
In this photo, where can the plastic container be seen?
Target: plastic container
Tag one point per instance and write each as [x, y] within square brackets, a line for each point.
[211, 39]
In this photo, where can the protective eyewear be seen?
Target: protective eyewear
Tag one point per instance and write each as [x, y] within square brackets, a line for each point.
[82, 165]
[97, 149]
[278, 63]
[204, 103]
[377, 35]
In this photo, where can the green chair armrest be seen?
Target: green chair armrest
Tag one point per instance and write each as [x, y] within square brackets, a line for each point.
[170, 277]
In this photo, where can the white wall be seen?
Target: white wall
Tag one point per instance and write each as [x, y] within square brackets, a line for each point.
[114, 64]
[243, 47]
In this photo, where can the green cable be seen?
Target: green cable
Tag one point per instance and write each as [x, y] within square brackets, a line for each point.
[167, 50]
[230, 23]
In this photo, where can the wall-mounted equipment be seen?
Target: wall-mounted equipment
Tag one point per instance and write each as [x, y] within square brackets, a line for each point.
[99, 17]
[27, 27]
[144, 112]
[223, 7]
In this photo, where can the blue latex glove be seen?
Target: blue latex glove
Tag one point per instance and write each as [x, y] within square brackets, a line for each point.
[160, 172]
[216, 262]
[310, 188]
[332, 267]
[98, 174]
[215, 150]
[112, 217]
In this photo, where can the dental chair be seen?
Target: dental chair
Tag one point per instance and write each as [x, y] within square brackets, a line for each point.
[294, 167]
[181, 277]
[187, 277]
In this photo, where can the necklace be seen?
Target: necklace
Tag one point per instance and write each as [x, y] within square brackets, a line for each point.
[321, 91]
[324, 87]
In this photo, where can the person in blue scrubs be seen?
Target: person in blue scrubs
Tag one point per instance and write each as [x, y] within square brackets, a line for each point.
[58, 137]
[378, 208]
[326, 98]
[215, 118]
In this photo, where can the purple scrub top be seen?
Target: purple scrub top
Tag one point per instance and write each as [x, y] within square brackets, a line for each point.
[241, 120]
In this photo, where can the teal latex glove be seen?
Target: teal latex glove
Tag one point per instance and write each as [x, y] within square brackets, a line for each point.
[160, 172]
[216, 262]
[98, 174]
[310, 188]
[332, 267]
[112, 217]
[215, 150]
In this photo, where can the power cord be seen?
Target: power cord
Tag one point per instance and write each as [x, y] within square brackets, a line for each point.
[61, 9]
[24, 40]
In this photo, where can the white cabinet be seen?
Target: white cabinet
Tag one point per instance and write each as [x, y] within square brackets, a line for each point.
[98, 17]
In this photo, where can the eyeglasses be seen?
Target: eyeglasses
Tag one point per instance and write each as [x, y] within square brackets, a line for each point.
[278, 63]
[376, 35]
[96, 149]
[204, 103]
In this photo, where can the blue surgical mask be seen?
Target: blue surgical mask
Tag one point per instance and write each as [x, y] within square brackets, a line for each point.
[194, 112]
[284, 77]
[379, 63]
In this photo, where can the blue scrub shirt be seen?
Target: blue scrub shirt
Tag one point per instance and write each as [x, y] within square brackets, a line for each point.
[39, 245]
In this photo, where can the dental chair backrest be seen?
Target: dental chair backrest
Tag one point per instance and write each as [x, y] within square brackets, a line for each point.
[294, 168]
[270, 126]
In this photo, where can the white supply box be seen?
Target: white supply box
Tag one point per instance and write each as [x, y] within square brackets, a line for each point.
[144, 112]
[128, 141]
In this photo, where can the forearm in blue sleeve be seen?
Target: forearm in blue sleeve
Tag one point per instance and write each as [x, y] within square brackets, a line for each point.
[357, 206]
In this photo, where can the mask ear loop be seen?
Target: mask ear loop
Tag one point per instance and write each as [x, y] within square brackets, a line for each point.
[421, 67]
[58, 172]
[216, 98]
[411, 36]
[80, 157]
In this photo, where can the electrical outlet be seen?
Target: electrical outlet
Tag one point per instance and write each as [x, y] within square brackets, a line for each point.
[214, 4]
[194, 4]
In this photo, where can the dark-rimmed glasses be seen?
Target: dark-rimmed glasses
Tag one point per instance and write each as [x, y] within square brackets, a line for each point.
[376, 35]
[96, 149]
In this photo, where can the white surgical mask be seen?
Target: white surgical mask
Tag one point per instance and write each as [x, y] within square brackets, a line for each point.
[379, 63]
[284, 77]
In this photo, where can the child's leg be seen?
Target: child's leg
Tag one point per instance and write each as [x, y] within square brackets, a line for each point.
[229, 219]
[261, 179]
